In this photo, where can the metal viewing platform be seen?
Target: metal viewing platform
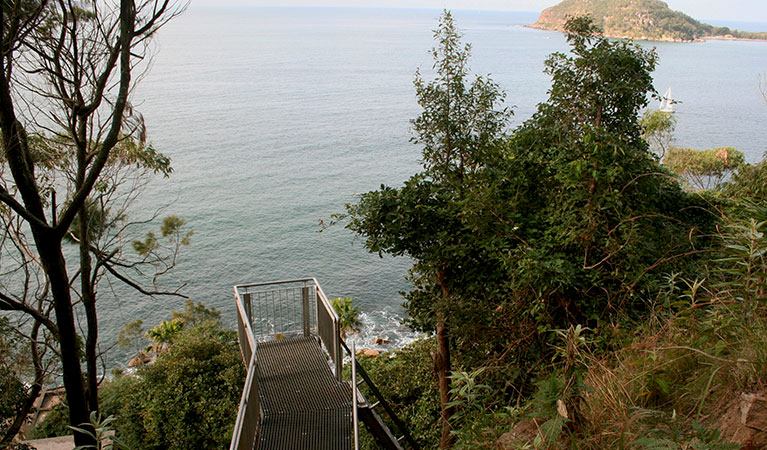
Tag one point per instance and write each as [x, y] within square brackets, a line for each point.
[295, 396]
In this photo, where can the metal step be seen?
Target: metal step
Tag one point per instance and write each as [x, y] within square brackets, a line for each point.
[304, 405]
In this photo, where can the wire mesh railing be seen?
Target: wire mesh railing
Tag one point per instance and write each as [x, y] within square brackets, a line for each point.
[279, 310]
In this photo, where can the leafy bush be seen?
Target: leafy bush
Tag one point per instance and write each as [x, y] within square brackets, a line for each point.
[188, 398]
[348, 314]
[13, 392]
[406, 380]
[658, 130]
[704, 169]
[55, 423]
[749, 183]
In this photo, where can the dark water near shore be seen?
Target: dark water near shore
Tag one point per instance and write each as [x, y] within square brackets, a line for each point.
[277, 117]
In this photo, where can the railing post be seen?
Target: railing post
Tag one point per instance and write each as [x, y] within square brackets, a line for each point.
[305, 304]
[248, 301]
[339, 359]
[355, 420]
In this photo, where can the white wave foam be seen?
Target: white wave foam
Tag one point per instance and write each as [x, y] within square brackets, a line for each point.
[385, 325]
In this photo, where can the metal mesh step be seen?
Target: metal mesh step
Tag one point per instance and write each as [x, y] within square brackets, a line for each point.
[304, 406]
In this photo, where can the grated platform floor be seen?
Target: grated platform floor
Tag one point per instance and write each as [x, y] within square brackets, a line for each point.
[304, 406]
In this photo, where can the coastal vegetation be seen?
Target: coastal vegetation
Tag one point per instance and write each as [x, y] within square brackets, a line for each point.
[348, 314]
[579, 290]
[186, 398]
[638, 19]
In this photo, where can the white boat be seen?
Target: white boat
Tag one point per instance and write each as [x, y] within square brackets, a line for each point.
[667, 102]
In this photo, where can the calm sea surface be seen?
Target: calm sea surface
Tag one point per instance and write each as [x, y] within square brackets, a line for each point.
[277, 117]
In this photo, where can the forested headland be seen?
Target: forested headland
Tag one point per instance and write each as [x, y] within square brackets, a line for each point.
[638, 19]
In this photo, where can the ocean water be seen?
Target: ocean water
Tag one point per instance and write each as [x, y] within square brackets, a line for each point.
[276, 117]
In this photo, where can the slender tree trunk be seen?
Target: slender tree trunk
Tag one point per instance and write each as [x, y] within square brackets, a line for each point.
[88, 293]
[442, 366]
[49, 248]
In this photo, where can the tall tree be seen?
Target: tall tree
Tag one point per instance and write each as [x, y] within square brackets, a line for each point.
[67, 71]
[564, 222]
[459, 129]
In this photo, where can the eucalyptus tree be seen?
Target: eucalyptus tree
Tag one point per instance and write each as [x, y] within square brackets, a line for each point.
[69, 139]
[460, 129]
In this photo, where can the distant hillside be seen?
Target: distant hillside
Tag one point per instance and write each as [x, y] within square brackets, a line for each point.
[638, 19]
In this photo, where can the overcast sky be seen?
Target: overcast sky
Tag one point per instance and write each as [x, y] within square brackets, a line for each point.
[732, 10]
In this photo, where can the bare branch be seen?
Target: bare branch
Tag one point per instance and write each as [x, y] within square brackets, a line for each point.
[135, 286]
[9, 304]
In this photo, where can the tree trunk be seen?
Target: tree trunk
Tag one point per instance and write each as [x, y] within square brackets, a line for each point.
[88, 293]
[442, 366]
[48, 243]
[49, 247]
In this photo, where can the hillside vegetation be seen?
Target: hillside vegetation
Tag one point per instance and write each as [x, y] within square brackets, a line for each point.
[579, 291]
[638, 19]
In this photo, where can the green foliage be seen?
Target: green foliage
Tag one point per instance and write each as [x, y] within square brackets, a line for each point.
[172, 225]
[132, 152]
[466, 393]
[13, 359]
[101, 430]
[670, 435]
[55, 423]
[474, 424]
[348, 314]
[658, 130]
[461, 130]
[188, 398]
[172, 229]
[459, 123]
[146, 246]
[114, 394]
[165, 333]
[704, 169]
[406, 380]
[601, 84]
[743, 260]
[570, 221]
[749, 183]
[589, 219]
[99, 220]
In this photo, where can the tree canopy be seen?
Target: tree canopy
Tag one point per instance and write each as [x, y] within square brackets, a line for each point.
[74, 154]
[566, 220]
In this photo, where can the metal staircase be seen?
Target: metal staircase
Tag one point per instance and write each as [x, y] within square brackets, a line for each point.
[295, 396]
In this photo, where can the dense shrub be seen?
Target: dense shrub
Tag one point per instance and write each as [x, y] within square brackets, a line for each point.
[704, 169]
[749, 183]
[55, 423]
[406, 380]
[187, 399]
